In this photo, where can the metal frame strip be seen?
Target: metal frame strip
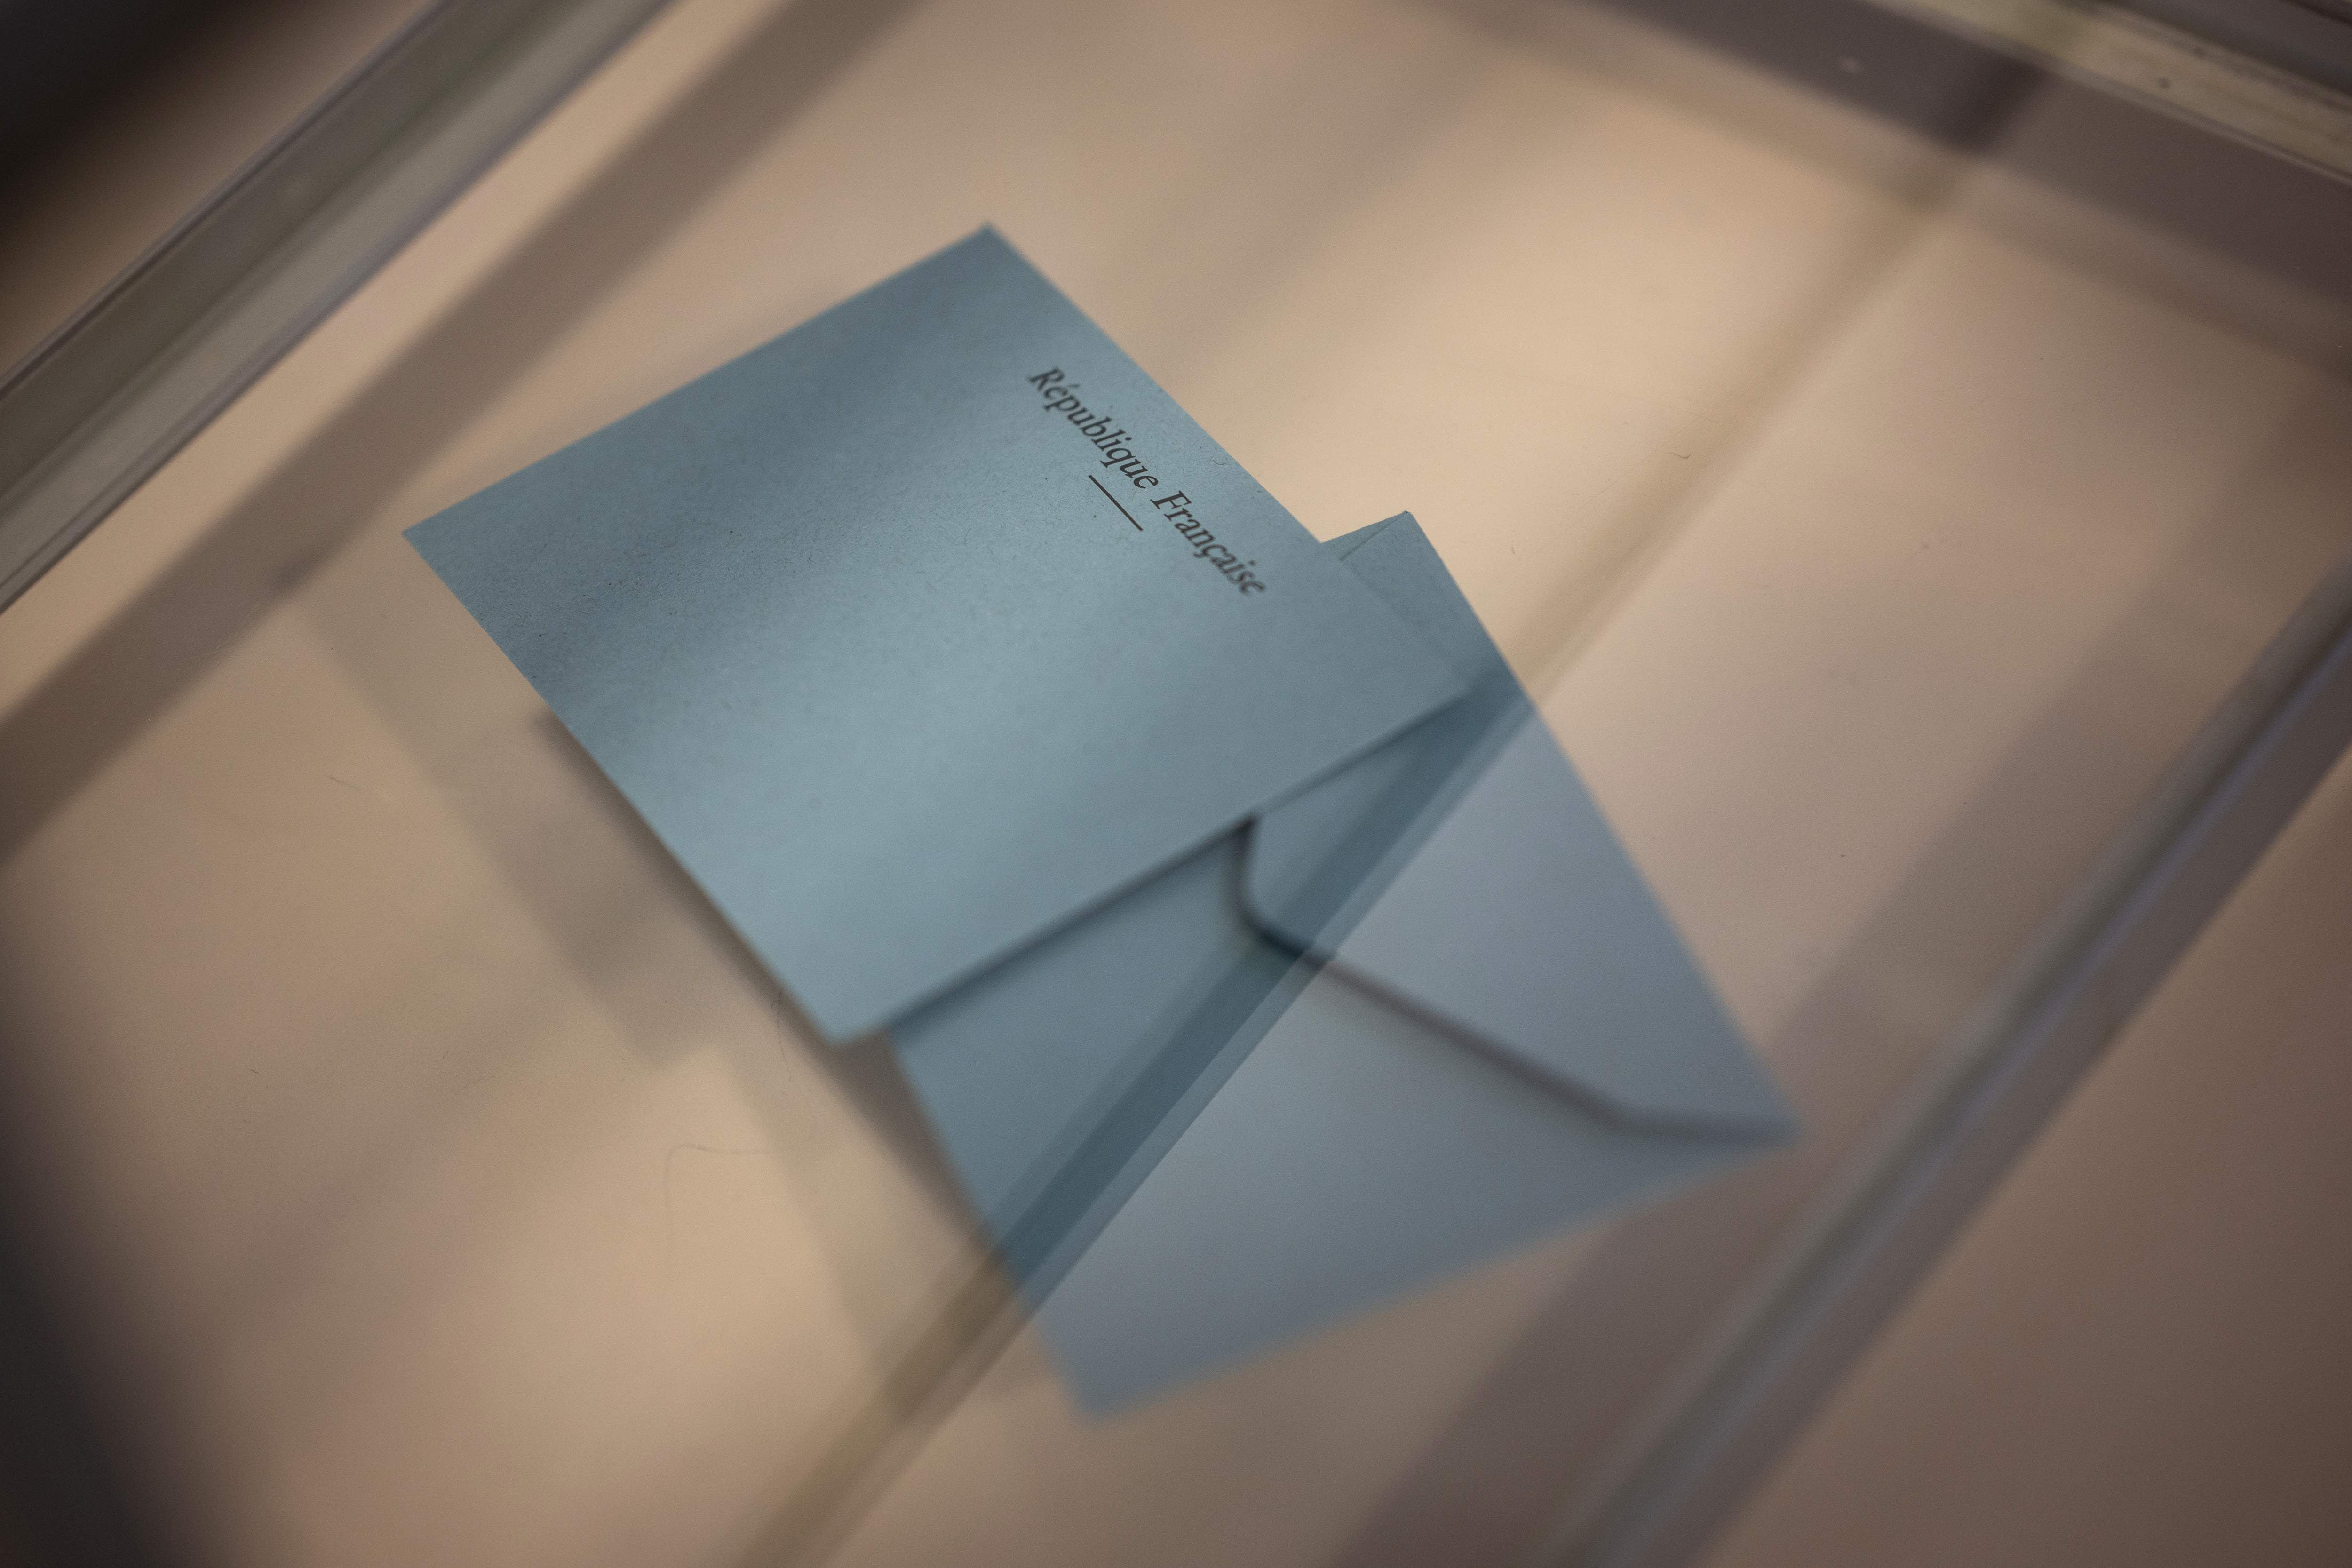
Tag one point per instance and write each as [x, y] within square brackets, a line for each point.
[2178, 72]
[110, 396]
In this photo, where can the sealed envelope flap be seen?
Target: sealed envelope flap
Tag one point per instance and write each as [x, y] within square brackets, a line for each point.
[928, 628]
[1464, 872]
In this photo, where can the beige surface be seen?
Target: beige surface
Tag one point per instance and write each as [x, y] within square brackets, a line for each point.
[443, 1182]
[2138, 1353]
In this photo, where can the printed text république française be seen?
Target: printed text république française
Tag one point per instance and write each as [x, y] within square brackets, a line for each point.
[1061, 395]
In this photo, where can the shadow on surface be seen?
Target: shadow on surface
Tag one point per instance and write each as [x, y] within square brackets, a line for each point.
[69, 1493]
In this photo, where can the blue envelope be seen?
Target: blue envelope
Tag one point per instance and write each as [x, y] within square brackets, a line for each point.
[1422, 1013]
[1249, 943]
[928, 628]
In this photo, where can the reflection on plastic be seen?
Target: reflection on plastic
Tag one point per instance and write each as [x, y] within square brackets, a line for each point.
[1422, 1013]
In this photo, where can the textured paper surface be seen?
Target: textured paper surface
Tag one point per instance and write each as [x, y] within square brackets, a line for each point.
[903, 662]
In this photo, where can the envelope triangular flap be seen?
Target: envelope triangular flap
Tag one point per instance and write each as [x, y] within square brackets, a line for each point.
[1465, 872]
